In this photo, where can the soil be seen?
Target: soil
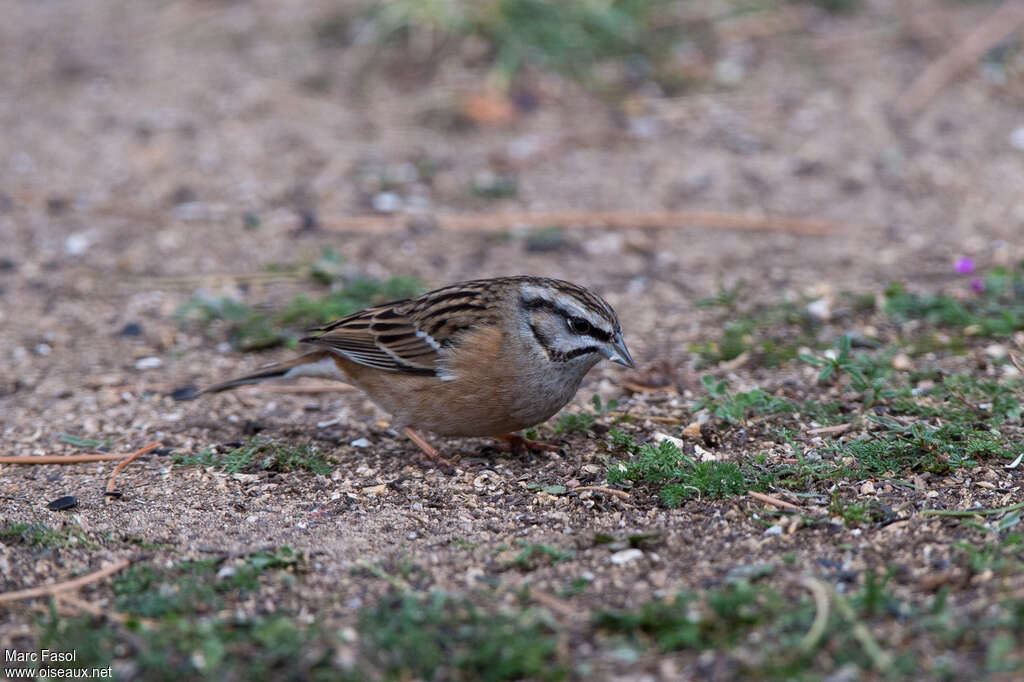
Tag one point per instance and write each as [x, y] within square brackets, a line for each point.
[138, 136]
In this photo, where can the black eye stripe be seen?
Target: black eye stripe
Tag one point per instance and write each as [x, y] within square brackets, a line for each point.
[543, 304]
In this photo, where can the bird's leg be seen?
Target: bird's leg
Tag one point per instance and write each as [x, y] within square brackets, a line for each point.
[518, 445]
[429, 450]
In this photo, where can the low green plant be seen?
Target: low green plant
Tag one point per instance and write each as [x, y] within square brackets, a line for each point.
[676, 476]
[437, 636]
[261, 455]
[735, 407]
[249, 328]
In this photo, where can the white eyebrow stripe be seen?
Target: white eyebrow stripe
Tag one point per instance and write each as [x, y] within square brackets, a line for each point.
[565, 301]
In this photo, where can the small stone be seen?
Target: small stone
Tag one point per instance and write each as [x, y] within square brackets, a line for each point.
[820, 309]
[62, 503]
[773, 530]
[867, 488]
[386, 202]
[626, 556]
[995, 351]
[148, 363]
[901, 362]
[1017, 138]
[360, 443]
[659, 438]
[692, 430]
[76, 244]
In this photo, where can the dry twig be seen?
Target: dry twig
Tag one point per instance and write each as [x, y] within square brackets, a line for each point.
[498, 222]
[830, 430]
[821, 603]
[63, 459]
[774, 501]
[601, 489]
[1003, 22]
[126, 462]
[66, 586]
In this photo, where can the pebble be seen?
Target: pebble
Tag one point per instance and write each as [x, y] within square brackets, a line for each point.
[773, 530]
[76, 244]
[1017, 138]
[148, 363]
[626, 556]
[360, 443]
[386, 202]
[62, 503]
[820, 309]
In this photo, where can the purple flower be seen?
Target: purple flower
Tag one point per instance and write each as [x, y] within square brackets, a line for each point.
[977, 285]
[965, 266]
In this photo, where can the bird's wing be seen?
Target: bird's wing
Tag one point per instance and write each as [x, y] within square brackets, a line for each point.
[411, 336]
[384, 338]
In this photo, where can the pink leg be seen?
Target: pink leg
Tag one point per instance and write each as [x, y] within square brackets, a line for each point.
[519, 445]
[429, 450]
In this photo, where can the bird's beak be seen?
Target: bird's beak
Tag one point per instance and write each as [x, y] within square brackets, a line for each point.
[617, 352]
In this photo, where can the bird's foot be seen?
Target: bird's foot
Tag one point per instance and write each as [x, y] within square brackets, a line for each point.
[432, 455]
[518, 445]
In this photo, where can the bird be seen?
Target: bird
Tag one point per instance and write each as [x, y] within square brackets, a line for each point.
[486, 357]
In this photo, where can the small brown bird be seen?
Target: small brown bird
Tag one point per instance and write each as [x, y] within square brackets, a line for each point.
[481, 358]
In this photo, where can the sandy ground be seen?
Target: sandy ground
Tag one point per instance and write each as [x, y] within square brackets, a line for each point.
[136, 137]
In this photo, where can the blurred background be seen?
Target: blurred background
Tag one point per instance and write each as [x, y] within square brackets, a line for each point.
[248, 166]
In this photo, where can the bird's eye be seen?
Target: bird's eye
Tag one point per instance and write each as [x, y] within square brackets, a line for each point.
[579, 326]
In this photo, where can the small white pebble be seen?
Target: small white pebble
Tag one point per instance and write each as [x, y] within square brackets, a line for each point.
[43, 349]
[148, 363]
[360, 443]
[412, 535]
[626, 556]
[1017, 138]
[386, 202]
[76, 244]
[773, 530]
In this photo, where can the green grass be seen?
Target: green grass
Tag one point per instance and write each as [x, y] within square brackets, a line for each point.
[437, 636]
[769, 334]
[40, 535]
[248, 328]
[759, 633]
[673, 475]
[583, 421]
[569, 37]
[534, 555]
[736, 407]
[261, 455]
[997, 311]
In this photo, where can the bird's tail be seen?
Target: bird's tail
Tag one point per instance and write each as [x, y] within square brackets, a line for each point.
[316, 364]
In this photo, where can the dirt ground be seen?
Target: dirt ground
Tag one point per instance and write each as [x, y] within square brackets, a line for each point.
[135, 138]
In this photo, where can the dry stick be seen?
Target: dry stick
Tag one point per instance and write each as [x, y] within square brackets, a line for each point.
[498, 222]
[971, 512]
[62, 459]
[820, 593]
[129, 460]
[552, 602]
[774, 501]
[881, 659]
[601, 489]
[997, 26]
[830, 430]
[100, 612]
[66, 586]
[1017, 363]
